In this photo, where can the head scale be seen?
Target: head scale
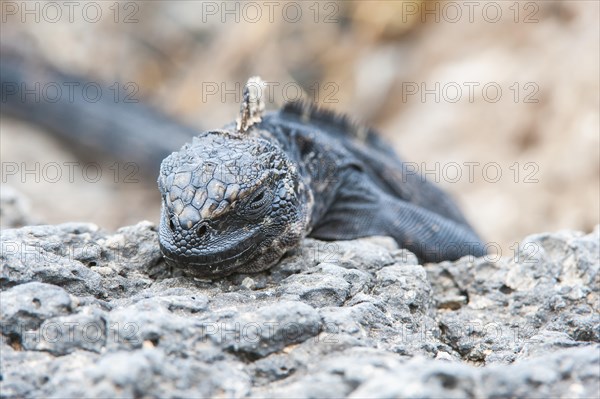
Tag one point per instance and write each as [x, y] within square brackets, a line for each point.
[231, 201]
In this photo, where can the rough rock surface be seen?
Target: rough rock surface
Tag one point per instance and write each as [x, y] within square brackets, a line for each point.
[14, 208]
[88, 313]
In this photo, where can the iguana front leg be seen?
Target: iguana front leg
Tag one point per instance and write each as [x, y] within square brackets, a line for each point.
[362, 209]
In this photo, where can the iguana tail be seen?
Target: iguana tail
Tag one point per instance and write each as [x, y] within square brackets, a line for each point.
[86, 114]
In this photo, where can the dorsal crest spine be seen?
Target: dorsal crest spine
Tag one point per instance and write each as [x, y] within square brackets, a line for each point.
[310, 112]
[253, 104]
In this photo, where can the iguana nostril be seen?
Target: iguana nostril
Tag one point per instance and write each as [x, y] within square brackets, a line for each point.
[201, 230]
[171, 225]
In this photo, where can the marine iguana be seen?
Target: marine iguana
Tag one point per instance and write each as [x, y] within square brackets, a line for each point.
[237, 199]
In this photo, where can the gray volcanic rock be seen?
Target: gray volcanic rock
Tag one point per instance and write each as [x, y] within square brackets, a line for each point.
[14, 208]
[88, 313]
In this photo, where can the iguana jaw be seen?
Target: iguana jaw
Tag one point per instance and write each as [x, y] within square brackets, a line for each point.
[230, 203]
[209, 265]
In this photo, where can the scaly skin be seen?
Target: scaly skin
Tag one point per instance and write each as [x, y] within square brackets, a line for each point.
[237, 199]
[230, 203]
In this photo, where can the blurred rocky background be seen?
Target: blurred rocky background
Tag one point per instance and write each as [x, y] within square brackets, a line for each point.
[497, 100]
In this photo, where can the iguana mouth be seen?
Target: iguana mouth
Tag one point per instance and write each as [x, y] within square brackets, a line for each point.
[212, 265]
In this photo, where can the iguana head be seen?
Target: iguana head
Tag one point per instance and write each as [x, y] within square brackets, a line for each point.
[230, 202]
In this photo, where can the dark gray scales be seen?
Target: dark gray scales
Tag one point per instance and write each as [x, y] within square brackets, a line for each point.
[237, 199]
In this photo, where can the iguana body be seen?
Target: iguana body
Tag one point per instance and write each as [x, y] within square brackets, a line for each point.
[237, 199]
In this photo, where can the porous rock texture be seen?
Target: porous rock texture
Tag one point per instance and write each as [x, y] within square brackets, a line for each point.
[86, 313]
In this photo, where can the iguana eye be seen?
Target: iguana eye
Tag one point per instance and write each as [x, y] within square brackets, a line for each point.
[257, 205]
[257, 200]
[201, 230]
